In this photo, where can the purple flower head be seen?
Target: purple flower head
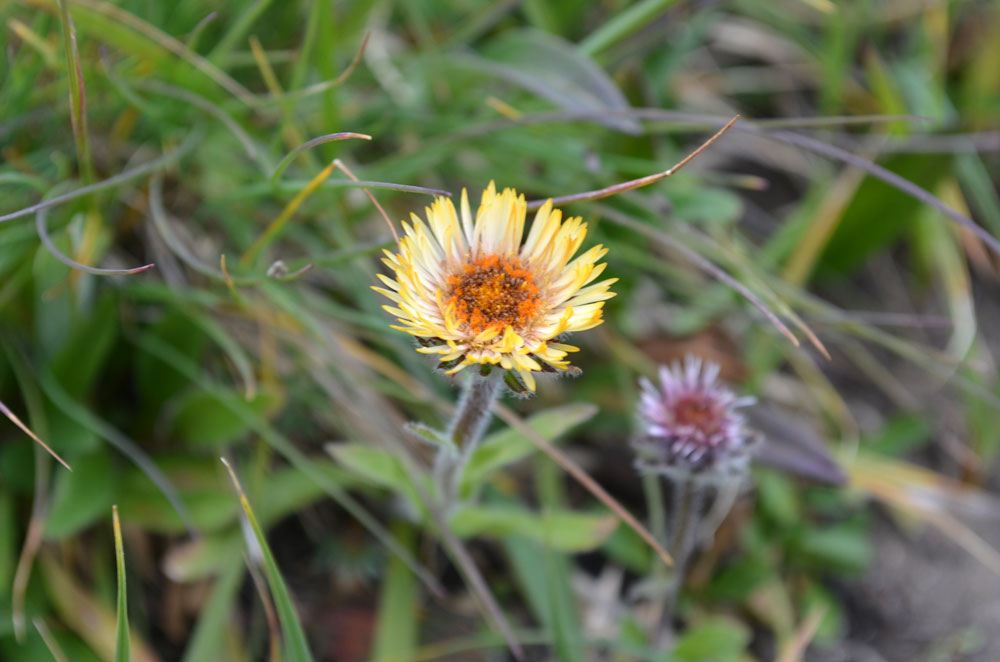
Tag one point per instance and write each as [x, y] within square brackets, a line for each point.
[690, 424]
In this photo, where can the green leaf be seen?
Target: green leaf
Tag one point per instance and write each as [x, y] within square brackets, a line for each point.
[157, 380]
[842, 546]
[714, 640]
[82, 496]
[431, 436]
[15, 467]
[395, 635]
[202, 424]
[739, 579]
[856, 237]
[565, 530]
[295, 643]
[8, 542]
[628, 549]
[633, 18]
[900, 435]
[777, 499]
[208, 638]
[86, 347]
[378, 466]
[86, 418]
[69, 436]
[563, 619]
[508, 446]
[53, 304]
[544, 578]
[208, 503]
[123, 648]
[702, 204]
[33, 648]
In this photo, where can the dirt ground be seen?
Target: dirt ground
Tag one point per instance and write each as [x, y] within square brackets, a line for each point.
[924, 599]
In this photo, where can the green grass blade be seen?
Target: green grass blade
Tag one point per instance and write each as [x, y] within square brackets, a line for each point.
[208, 640]
[123, 648]
[308, 42]
[565, 620]
[238, 32]
[622, 25]
[296, 647]
[396, 630]
[77, 94]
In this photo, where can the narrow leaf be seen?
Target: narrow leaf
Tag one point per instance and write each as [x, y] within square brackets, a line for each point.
[396, 633]
[123, 648]
[296, 646]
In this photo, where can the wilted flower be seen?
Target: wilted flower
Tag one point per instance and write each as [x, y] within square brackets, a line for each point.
[690, 423]
[473, 293]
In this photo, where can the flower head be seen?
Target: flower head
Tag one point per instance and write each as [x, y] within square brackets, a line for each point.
[474, 290]
[691, 424]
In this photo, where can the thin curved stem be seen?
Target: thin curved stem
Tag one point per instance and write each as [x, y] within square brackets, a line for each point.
[159, 162]
[43, 234]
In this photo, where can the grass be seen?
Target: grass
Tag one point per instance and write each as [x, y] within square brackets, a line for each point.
[123, 647]
[852, 211]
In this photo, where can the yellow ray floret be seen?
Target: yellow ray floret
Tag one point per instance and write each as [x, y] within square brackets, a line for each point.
[476, 290]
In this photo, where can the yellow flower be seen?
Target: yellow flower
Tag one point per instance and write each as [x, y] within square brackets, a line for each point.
[476, 291]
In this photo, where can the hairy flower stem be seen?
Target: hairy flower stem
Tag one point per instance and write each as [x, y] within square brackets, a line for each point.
[474, 410]
[472, 414]
[658, 526]
[686, 506]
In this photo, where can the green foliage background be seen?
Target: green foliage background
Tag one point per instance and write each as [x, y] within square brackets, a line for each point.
[142, 381]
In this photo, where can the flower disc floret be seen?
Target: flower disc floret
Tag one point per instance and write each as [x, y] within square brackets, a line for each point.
[494, 292]
[476, 290]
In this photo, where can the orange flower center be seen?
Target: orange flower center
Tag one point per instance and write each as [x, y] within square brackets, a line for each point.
[494, 292]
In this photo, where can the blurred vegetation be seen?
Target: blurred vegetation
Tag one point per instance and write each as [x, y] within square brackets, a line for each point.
[162, 130]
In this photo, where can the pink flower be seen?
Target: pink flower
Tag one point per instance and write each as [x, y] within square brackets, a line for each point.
[690, 423]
